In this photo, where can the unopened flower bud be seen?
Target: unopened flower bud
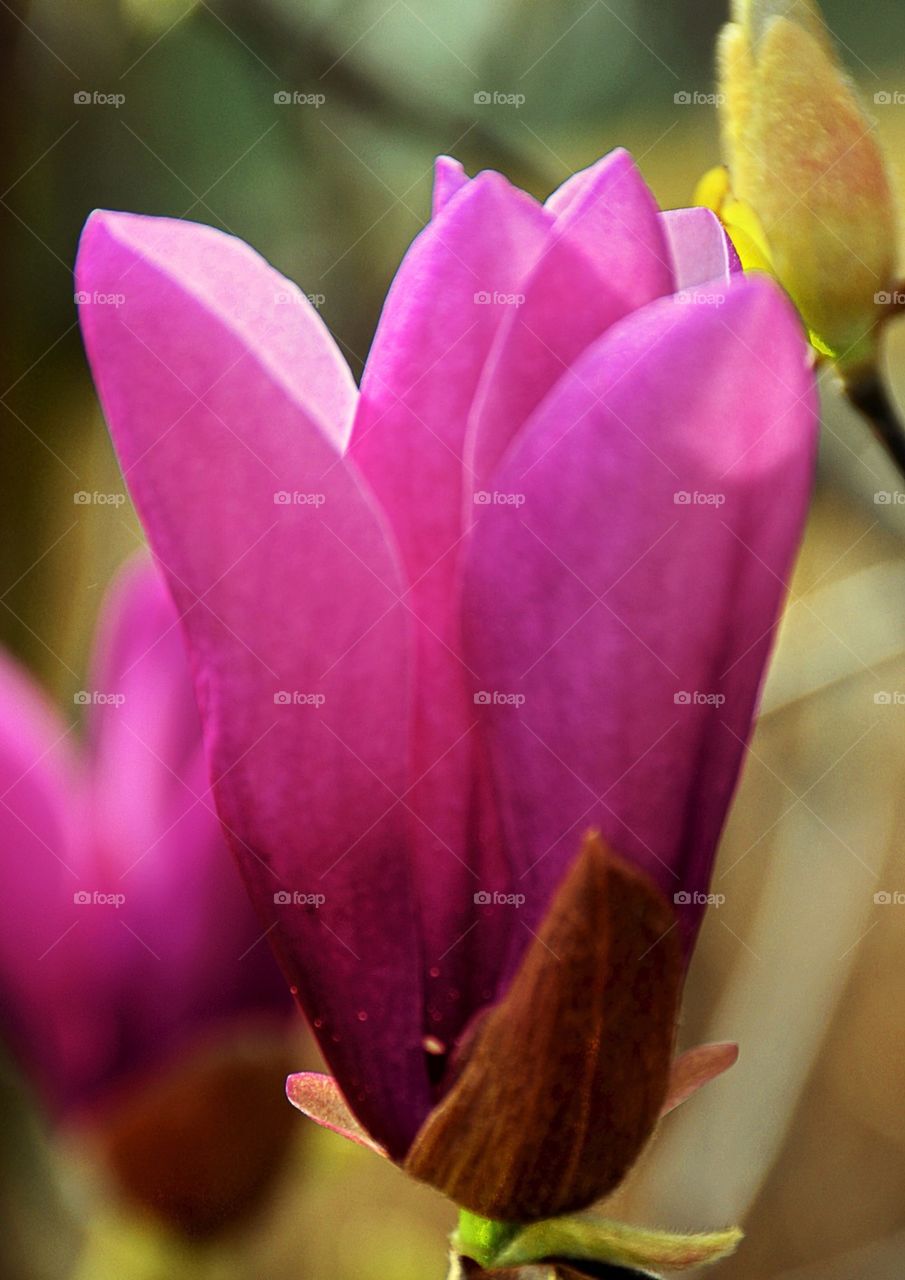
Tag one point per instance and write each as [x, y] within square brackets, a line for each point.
[809, 185]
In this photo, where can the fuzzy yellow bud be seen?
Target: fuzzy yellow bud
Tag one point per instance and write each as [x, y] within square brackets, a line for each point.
[809, 184]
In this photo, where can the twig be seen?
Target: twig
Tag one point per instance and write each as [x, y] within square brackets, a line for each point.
[870, 397]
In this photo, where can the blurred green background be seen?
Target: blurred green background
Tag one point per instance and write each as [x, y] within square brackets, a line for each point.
[173, 107]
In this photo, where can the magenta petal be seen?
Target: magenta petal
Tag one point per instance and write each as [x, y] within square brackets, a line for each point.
[229, 404]
[144, 728]
[605, 256]
[701, 251]
[622, 616]
[155, 837]
[449, 179]
[443, 311]
[610, 201]
[44, 970]
[92, 990]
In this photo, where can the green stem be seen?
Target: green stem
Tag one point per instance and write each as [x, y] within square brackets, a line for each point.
[581, 1244]
[481, 1238]
[547, 1272]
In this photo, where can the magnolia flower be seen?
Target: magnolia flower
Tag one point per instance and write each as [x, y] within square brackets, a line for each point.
[126, 934]
[519, 586]
[811, 196]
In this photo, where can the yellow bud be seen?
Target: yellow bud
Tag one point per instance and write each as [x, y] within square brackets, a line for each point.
[738, 218]
[810, 189]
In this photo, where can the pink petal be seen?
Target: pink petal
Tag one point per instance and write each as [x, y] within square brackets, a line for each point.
[701, 251]
[695, 1068]
[610, 614]
[190, 931]
[439, 322]
[229, 405]
[44, 970]
[94, 990]
[319, 1097]
[605, 257]
[449, 179]
[143, 722]
[610, 200]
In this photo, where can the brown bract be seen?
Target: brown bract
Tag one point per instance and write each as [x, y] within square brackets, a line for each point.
[202, 1144]
[568, 1073]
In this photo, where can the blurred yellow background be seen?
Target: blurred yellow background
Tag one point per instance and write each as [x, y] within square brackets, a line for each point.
[179, 108]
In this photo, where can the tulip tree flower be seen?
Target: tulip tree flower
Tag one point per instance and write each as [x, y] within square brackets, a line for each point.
[124, 945]
[806, 192]
[477, 649]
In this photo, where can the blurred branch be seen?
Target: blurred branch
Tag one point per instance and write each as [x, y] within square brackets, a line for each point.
[17, 498]
[10, 147]
[299, 48]
[871, 398]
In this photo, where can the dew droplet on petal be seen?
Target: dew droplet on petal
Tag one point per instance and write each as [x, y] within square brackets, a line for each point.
[362, 1015]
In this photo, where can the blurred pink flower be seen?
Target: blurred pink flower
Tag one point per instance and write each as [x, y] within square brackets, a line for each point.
[126, 932]
[521, 584]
